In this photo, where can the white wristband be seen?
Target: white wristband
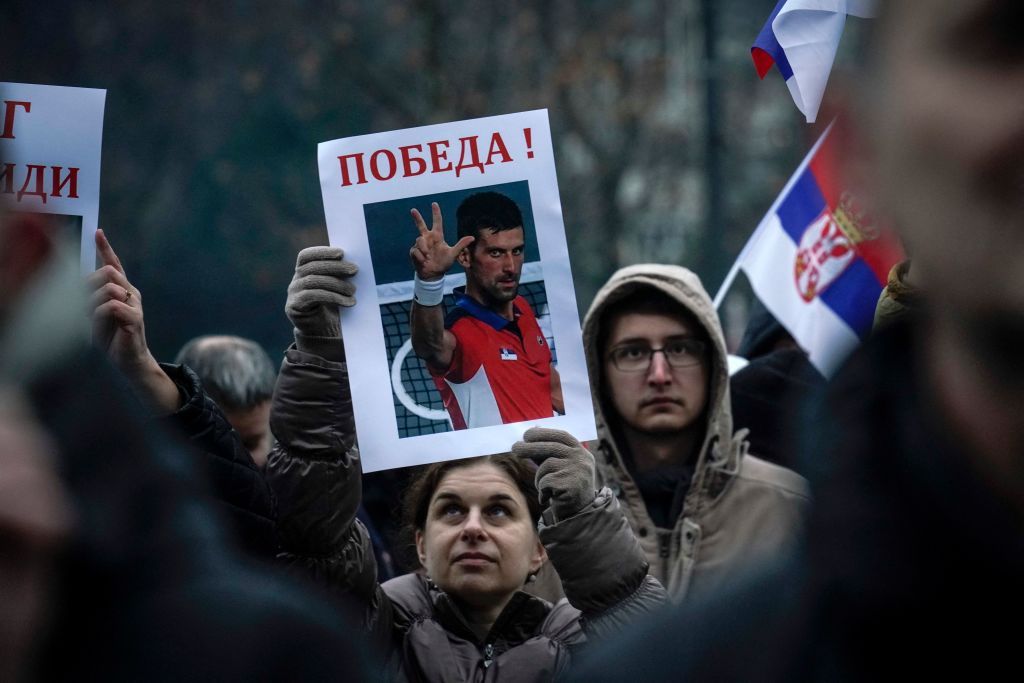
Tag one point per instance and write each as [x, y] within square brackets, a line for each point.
[428, 292]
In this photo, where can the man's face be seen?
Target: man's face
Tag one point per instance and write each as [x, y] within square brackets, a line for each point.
[660, 399]
[946, 123]
[253, 426]
[494, 263]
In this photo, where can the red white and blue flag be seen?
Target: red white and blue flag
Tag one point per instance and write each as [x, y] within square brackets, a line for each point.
[801, 38]
[818, 262]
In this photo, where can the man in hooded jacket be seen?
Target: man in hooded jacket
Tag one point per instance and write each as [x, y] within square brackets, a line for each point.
[914, 550]
[703, 508]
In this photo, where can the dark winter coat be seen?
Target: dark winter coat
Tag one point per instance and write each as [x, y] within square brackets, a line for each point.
[315, 472]
[238, 485]
[149, 588]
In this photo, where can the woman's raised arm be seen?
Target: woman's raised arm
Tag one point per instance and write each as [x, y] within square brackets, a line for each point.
[314, 467]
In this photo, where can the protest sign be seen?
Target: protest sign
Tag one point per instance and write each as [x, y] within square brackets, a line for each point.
[50, 142]
[409, 413]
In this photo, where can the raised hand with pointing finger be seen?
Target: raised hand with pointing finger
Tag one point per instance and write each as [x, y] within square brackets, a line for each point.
[118, 325]
[119, 329]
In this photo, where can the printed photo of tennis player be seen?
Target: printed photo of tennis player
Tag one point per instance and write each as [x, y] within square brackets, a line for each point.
[464, 287]
[464, 309]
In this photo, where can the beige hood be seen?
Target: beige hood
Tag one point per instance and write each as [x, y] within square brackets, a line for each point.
[683, 286]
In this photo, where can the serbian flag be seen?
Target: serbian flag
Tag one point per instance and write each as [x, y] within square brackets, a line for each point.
[801, 38]
[818, 262]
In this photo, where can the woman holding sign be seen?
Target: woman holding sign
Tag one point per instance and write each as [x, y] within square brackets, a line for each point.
[482, 527]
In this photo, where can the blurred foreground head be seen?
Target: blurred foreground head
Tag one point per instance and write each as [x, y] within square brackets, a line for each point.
[945, 120]
[942, 125]
[25, 245]
[36, 511]
[42, 298]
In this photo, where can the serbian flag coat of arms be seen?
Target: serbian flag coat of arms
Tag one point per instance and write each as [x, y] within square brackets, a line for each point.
[818, 262]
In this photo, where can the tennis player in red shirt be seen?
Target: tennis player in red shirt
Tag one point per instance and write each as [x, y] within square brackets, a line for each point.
[488, 357]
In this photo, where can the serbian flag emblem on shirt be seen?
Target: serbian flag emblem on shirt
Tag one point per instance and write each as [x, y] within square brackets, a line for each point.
[818, 262]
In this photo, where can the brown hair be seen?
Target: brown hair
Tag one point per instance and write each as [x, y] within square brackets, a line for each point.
[423, 484]
[648, 300]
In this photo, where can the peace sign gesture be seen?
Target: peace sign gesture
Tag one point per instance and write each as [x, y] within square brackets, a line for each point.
[431, 256]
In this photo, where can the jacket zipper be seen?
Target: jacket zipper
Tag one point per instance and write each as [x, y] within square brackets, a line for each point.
[664, 542]
[488, 654]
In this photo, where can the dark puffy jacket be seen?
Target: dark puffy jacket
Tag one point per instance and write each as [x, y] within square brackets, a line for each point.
[235, 481]
[315, 472]
[147, 589]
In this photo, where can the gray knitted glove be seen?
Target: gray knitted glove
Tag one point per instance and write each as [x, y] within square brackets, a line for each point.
[321, 283]
[565, 479]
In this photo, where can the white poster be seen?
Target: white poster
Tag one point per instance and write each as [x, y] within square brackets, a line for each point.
[50, 143]
[508, 352]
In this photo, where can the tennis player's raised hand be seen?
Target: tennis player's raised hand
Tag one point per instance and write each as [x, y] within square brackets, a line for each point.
[431, 256]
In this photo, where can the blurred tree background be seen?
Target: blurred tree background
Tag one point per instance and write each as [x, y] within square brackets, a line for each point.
[668, 148]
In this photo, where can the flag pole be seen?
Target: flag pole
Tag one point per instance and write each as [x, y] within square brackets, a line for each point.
[727, 283]
[731, 275]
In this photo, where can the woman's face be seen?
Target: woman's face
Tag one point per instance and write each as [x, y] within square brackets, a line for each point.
[478, 543]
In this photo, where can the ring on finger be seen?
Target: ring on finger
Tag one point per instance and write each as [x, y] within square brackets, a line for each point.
[127, 295]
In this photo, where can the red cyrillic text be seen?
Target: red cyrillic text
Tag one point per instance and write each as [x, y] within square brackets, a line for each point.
[35, 177]
[7, 178]
[474, 153]
[497, 147]
[408, 161]
[40, 191]
[361, 174]
[10, 107]
[375, 165]
[437, 156]
[70, 179]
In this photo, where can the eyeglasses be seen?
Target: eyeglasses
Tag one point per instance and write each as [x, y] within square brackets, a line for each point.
[682, 353]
